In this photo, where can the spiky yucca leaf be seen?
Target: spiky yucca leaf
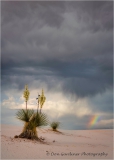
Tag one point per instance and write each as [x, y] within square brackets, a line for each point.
[43, 120]
[38, 120]
[55, 125]
[24, 115]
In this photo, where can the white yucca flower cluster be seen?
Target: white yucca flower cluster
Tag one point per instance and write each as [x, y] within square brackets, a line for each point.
[42, 99]
[26, 93]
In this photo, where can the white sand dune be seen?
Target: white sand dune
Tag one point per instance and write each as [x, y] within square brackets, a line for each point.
[70, 144]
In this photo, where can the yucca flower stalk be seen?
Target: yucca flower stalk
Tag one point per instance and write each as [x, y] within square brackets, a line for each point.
[42, 99]
[26, 94]
[38, 102]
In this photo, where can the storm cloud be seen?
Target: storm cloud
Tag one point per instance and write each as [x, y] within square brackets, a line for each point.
[62, 46]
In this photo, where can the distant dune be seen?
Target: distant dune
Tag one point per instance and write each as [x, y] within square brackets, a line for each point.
[66, 144]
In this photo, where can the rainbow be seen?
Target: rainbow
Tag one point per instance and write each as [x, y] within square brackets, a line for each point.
[94, 120]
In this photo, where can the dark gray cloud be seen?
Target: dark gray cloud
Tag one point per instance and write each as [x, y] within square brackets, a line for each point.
[81, 78]
[98, 14]
[102, 103]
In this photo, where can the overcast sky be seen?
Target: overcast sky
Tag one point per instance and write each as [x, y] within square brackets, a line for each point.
[66, 48]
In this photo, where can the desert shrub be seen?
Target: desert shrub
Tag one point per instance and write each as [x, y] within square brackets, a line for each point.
[55, 125]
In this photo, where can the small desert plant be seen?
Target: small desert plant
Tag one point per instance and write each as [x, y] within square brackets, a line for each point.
[55, 125]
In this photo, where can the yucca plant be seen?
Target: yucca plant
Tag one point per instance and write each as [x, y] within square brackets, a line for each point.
[55, 125]
[32, 121]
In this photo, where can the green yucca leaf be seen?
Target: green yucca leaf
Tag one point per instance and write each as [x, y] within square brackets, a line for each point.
[39, 119]
[24, 115]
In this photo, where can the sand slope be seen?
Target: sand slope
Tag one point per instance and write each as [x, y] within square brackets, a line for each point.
[70, 144]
